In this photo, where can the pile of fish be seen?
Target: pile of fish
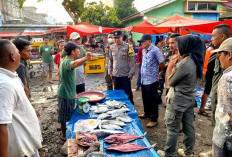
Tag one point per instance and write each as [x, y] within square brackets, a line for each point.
[111, 119]
[112, 110]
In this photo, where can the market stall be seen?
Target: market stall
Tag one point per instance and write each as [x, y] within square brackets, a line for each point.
[133, 128]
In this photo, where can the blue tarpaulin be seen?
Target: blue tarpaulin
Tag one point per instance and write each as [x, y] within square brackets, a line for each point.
[133, 128]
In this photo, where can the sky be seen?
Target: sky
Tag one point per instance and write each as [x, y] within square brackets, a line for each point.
[55, 9]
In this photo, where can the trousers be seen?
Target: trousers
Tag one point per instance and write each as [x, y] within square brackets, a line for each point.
[173, 120]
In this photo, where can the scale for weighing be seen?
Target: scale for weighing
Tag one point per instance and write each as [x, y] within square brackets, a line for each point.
[83, 105]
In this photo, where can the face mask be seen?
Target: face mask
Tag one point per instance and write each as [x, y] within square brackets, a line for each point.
[110, 40]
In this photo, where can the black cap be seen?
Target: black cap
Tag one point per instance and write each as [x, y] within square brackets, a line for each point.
[69, 47]
[117, 33]
[145, 37]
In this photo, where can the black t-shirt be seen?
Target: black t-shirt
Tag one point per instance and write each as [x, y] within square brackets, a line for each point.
[22, 73]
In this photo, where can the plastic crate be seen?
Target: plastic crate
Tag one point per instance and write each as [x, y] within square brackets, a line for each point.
[95, 65]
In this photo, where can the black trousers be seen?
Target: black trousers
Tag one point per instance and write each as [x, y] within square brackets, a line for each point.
[125, 84]
[150, 100]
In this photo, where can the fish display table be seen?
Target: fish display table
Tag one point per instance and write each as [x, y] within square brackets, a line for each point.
[133, 128]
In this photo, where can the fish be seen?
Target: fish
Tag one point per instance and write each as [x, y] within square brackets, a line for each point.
[104, 116]
[122, 110]
[105, 132]
[115, 104]
[101, 110]
[116, 122]
[127, 147]
[122, 138]
[124, 119]
[111, 127]
[92, 108]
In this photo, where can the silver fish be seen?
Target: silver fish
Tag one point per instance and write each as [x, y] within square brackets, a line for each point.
[104, 116]
[124, 119]
[116, 122]
[122, 110]
[92, 108]
[101, 110]
[105, 132]
[111, 127]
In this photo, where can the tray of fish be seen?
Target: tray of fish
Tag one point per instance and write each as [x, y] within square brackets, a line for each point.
[85, 139]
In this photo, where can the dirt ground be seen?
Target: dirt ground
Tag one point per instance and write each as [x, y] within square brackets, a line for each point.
[46, 102]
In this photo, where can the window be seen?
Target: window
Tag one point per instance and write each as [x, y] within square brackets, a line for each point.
[212, 6]
[201, 6]
[191, 6]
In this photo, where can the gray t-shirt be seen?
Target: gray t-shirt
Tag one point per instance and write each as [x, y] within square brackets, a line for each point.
[21, 71]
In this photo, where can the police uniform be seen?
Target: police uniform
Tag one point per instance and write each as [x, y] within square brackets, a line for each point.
[121, 64]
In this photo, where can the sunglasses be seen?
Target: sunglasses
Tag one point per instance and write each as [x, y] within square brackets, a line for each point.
[116, 37]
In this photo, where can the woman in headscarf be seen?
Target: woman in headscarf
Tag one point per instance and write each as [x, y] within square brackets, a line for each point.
[181, 96]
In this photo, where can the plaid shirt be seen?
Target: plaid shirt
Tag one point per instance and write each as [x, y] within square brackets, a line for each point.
[224, 107]
[152, 57]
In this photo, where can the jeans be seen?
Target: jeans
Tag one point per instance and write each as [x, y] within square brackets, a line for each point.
[173, 120]
[150, 101]
[139, 77]
[125, 84]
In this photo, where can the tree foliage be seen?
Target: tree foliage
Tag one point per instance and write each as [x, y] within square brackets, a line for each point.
[75, 8]
[101, 15]
[124, 8]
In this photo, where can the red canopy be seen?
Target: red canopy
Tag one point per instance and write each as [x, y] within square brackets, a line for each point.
[62, 29]
[8, 35]
[208, 28]
[88, 29]
[181, 21]
[33, 33]
[146, 28]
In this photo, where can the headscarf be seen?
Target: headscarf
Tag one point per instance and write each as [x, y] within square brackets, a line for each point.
[193, 46]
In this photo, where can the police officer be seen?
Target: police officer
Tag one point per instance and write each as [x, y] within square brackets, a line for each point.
[121, 64]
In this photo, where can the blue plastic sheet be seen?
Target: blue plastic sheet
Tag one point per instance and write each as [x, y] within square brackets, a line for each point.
[133, 128]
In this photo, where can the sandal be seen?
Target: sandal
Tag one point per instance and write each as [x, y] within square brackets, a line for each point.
[42, 83]
[51, 82]
[203, 113]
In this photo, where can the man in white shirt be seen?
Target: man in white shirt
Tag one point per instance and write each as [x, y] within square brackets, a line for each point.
[20, 133]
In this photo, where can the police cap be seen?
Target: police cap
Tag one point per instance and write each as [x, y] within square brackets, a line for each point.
[117, 33]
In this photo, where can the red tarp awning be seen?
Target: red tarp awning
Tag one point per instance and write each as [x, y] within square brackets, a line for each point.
[62, 29]
[8, 35]
[33, 33]
[88, 29]
[208, 28]
[181, 21]
[146, 28]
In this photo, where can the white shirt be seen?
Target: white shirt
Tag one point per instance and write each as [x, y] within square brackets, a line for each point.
[24, 135]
